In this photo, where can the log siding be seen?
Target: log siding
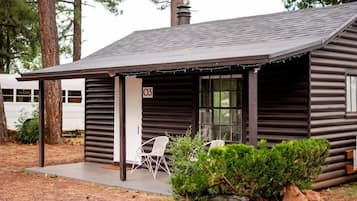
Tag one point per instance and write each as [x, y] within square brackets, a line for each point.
[99, 118]
[172, 107]
[329, 66]
[283, 100]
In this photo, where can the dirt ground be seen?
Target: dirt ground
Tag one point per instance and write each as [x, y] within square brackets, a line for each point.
[17, 185]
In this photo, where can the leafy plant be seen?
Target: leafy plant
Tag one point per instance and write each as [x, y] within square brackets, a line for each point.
[244, 170]
[27, 129]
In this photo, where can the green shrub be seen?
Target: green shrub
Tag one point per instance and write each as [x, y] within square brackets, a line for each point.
[243, 170]
[189, 179]
[27, 130]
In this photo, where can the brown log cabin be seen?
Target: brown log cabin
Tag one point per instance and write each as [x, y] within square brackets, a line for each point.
[282, 76]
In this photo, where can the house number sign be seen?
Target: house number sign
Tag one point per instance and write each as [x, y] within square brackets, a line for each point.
[148, 92]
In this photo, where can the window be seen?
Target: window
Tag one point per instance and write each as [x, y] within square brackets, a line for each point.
[74, 96]
[63, 96]
[351, 93]
[23, 95]
[220, 107]
[35, 95]
[8, 95]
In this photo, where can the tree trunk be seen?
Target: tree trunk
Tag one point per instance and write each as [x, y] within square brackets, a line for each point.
[174, 4]
[3, 127]
[77, 30]
[50, 57]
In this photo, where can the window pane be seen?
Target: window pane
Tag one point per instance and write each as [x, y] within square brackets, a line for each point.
[216, 99]
[8, 95]
[225, 117]
[233, 95]
[348, 94]
[205, 99]
[226, 133]
[225, 99]
[226, 84]
[7, 92]
[74, 96]
[216, 85]
[216, 116]
[353, 93]
[74, 93]
[24, 92]
[234, 84]
[205, 116]
[23, 95]
[63, 96]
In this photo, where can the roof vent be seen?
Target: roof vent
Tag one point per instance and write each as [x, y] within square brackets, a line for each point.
[183, 14]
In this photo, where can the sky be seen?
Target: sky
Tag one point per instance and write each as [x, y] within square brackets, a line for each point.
[101, 28]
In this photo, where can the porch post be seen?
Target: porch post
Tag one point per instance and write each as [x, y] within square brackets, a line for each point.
[41, 115]
[253, 106]
[122, 127]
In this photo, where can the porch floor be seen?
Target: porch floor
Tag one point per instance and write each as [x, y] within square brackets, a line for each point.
[141, 179]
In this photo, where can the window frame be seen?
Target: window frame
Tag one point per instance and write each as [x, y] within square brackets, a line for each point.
[23, 96]
[350, 73]
[238, 105]
[6, 95]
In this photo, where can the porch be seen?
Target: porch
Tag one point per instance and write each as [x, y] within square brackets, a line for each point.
[140, 180]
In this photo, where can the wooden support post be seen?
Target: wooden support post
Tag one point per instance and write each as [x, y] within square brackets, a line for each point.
[122, 128]
[195, 104]
[253, 106]
[245, 100]
[41, 115]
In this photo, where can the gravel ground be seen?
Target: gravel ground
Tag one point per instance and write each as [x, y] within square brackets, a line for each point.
[16, 185]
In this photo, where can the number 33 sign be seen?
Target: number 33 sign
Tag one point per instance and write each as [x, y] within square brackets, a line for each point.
[148, 92]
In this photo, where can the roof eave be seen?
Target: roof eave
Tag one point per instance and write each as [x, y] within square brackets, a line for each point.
[112, 71]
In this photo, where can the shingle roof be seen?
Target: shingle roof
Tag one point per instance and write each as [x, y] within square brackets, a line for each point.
[255, 39]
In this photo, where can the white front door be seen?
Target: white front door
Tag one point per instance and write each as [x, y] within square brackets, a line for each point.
[133, 101]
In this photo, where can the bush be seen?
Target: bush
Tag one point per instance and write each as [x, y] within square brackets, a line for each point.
[189, 178]
[243, 170]
[27, 130]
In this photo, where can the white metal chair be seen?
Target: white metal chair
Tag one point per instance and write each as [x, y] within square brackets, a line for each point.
[212, 144]
[156, 156]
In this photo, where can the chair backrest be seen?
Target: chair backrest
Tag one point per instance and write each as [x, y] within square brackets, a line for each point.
[158, 149]
[216, 143]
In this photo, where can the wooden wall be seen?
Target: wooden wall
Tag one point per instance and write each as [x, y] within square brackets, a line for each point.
[283, 100]
[328, 104]
[99, 119]
[171, 109]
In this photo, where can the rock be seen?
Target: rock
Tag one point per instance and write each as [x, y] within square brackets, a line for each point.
[293, 193]
[313, 195]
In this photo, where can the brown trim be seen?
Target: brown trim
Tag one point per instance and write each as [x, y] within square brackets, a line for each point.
[122, 128]
[41, 139]
[253, 106]
[66, 75]
[85, 118]
[245, 101]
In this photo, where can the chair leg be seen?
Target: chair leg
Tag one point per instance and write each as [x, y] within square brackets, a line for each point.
[166, 166]
[158, 162]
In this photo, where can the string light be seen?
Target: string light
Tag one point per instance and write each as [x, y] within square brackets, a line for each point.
[187, 69]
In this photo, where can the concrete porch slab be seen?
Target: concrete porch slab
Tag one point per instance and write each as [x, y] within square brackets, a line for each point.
[141, 179]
